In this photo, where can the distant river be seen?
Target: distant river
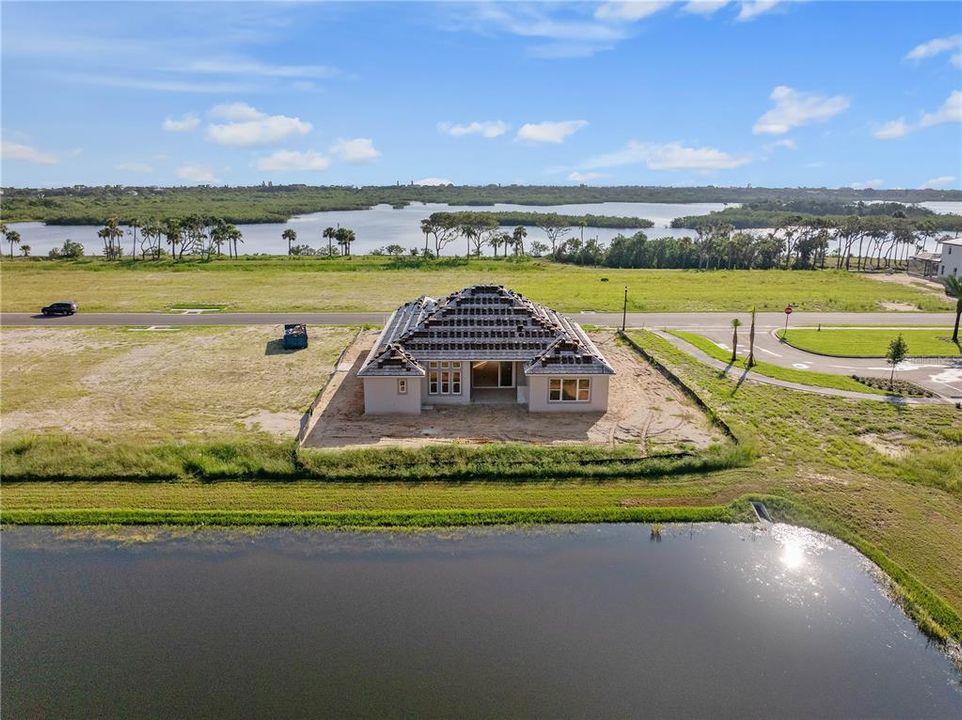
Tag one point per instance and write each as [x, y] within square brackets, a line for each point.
[589, 621]
[382, 225]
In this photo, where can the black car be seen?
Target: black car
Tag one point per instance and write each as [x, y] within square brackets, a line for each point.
[67, 307]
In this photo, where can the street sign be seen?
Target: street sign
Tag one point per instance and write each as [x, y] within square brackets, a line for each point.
[788, 310]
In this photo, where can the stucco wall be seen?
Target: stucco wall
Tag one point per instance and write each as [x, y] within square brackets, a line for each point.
[381, 396]
[951, 263]
[538, 396]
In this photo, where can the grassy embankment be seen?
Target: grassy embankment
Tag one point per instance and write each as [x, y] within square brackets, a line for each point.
[370, 283]
[804, 377]
[884, 478]
[872, 342]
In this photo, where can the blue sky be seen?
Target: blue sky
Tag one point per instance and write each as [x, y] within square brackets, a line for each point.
[655, 93]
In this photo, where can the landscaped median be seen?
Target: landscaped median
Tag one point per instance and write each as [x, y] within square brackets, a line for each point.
[872, 342]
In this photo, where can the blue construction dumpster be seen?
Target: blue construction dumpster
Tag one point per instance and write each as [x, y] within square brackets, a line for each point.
[295, 336]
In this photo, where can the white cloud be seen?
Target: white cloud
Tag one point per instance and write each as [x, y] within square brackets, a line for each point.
[186, 123]
[250, 126]
[433, 181]
[158, 85]
[935, 47]
[17, 151]
[867, 185]
[196, 173]
[956, 60]
[629, 11]
[585, 177]
[754, 8]
[951, 111]
[704, 7]
[248, 68]
[892, 129]
[236, 111]
[549, 131]
[786, 143]
[794, 108]
[286, 160]
[134, 167]
[484, 128]
[669, 156]
[357, 150]
[939, 182]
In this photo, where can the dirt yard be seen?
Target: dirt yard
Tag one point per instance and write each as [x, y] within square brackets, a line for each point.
[161, 384]
[643, 408]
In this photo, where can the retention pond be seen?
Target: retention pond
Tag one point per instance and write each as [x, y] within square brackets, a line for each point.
[571, 621]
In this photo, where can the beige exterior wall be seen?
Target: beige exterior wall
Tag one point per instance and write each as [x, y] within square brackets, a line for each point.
[538, 395]
[381, 396]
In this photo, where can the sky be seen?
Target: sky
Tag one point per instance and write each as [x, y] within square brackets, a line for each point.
[835, 94]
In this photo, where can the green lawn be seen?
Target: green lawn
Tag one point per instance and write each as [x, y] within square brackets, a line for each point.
[370, 283]
[805, 377]
[872, 342]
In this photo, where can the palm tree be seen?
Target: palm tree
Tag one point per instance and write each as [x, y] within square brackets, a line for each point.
[330, 234]
[25, 250]
[13, 237]
[497, 240]
[349, 237]
[172, 233]
[134, 226]
[519, 234]
[736, 323]
[290, 236]
[953, 287]
[234, 235]
[427, 227]
[751, 343]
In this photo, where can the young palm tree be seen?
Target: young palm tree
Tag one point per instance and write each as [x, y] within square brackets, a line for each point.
[13, 237]
[25, 250]
[736, 323]
[290, 236]
[330, 234]
[953, 287]
[518, 236]
[751, 343]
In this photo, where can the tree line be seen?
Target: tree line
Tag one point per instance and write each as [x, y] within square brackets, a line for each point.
[89, 205]
[855, 242]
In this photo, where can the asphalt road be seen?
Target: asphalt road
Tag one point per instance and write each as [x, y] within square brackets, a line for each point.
[680, 321]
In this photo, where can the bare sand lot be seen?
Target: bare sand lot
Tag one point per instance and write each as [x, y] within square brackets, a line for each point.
[644, 408]
[123, 383]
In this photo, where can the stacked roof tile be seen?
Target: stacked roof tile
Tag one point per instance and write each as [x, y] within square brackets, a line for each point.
[483, 322]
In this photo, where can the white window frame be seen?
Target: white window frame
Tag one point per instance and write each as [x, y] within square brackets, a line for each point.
[402, 386]
[445, 377]
[582, 386]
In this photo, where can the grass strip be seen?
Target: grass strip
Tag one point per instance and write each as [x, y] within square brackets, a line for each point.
[872, 342]
[385, 519]
[804, 377]
[62, 457]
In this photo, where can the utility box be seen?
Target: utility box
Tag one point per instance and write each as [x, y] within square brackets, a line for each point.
[295, 336]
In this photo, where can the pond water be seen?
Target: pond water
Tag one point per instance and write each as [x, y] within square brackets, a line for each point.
[569, 621]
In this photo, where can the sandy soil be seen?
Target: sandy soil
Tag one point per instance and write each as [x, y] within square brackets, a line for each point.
[923, 284]
[644, 408]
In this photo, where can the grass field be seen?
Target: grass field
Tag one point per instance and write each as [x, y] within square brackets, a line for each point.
[371, 283]
[805, 377]
[871, 342]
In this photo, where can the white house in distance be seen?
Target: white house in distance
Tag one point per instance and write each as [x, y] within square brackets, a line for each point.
[950, 262]
[483, 344]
